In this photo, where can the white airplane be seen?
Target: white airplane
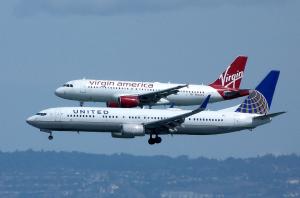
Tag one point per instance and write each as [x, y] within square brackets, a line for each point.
[133, 94]
[129, 123]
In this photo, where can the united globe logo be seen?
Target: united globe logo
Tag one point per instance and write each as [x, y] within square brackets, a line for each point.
[254, 103]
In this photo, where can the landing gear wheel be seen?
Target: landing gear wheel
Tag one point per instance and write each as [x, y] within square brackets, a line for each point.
[157, 139]
[50, 137]
[151, 141]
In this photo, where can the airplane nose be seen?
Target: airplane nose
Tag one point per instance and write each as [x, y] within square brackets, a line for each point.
[30, 120]
[59, 92]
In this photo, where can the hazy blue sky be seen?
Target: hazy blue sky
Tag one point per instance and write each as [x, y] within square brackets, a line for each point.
[45, 43]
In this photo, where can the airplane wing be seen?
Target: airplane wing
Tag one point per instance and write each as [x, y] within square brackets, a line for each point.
[154, 97]
[172, 122]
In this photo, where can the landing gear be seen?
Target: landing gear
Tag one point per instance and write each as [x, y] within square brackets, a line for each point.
[151, 141]
[155, 140]
[50, 137]
[81, 103]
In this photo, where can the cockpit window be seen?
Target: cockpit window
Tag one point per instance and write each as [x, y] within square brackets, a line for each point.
[68, 85]
[41, 114]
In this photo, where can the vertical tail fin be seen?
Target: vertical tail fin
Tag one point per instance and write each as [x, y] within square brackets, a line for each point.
[232, 76]
[260, 100]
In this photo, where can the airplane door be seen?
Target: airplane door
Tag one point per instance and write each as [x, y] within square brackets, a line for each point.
[83, 89]
[58, 120]
[236, 122]
[58, 117]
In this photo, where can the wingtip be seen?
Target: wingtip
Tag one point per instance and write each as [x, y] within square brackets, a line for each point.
[205, 102]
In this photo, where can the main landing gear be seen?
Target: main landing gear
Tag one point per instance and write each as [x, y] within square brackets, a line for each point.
[155, 140]
[81, 103]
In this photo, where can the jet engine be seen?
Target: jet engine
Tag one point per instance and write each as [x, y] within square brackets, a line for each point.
[133, 129]
[125, 101]
[112, 104]
[129, 101]
[129, 131]
[121, 135]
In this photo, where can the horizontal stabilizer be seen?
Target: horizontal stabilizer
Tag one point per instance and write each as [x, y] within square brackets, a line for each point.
[267, 116]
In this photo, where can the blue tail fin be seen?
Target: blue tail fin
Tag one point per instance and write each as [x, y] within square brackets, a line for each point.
[259, 100]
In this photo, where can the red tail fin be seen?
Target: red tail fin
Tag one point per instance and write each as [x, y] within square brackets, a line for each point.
[232, 76]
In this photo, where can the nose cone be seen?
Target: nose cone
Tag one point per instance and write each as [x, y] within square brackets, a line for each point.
[60, 92]
[31, 120]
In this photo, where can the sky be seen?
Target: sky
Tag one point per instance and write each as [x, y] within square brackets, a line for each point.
[46, 43]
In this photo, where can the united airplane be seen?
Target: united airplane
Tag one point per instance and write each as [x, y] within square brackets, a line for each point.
[133, 94]
[129, 123]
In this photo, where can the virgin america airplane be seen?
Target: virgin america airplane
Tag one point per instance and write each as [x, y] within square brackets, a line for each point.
[133, 94]
[129, 123]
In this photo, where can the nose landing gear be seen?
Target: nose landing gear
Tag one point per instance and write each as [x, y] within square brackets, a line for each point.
[50, 137]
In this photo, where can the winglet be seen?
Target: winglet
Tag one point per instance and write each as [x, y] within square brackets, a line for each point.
[182, 86]
[205, 102]
[202, 106]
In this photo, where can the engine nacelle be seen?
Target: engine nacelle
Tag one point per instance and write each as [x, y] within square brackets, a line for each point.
[112, 104]
[129, 101]
[121, 135]
[125, 102]
[133, 129]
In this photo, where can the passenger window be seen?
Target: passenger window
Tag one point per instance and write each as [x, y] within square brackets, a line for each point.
[41, 114]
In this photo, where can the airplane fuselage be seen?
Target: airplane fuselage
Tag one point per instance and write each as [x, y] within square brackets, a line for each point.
[107, 90]
[113, 119]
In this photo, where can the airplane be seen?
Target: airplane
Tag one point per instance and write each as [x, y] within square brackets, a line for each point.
[129, 94]
[133, 122]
